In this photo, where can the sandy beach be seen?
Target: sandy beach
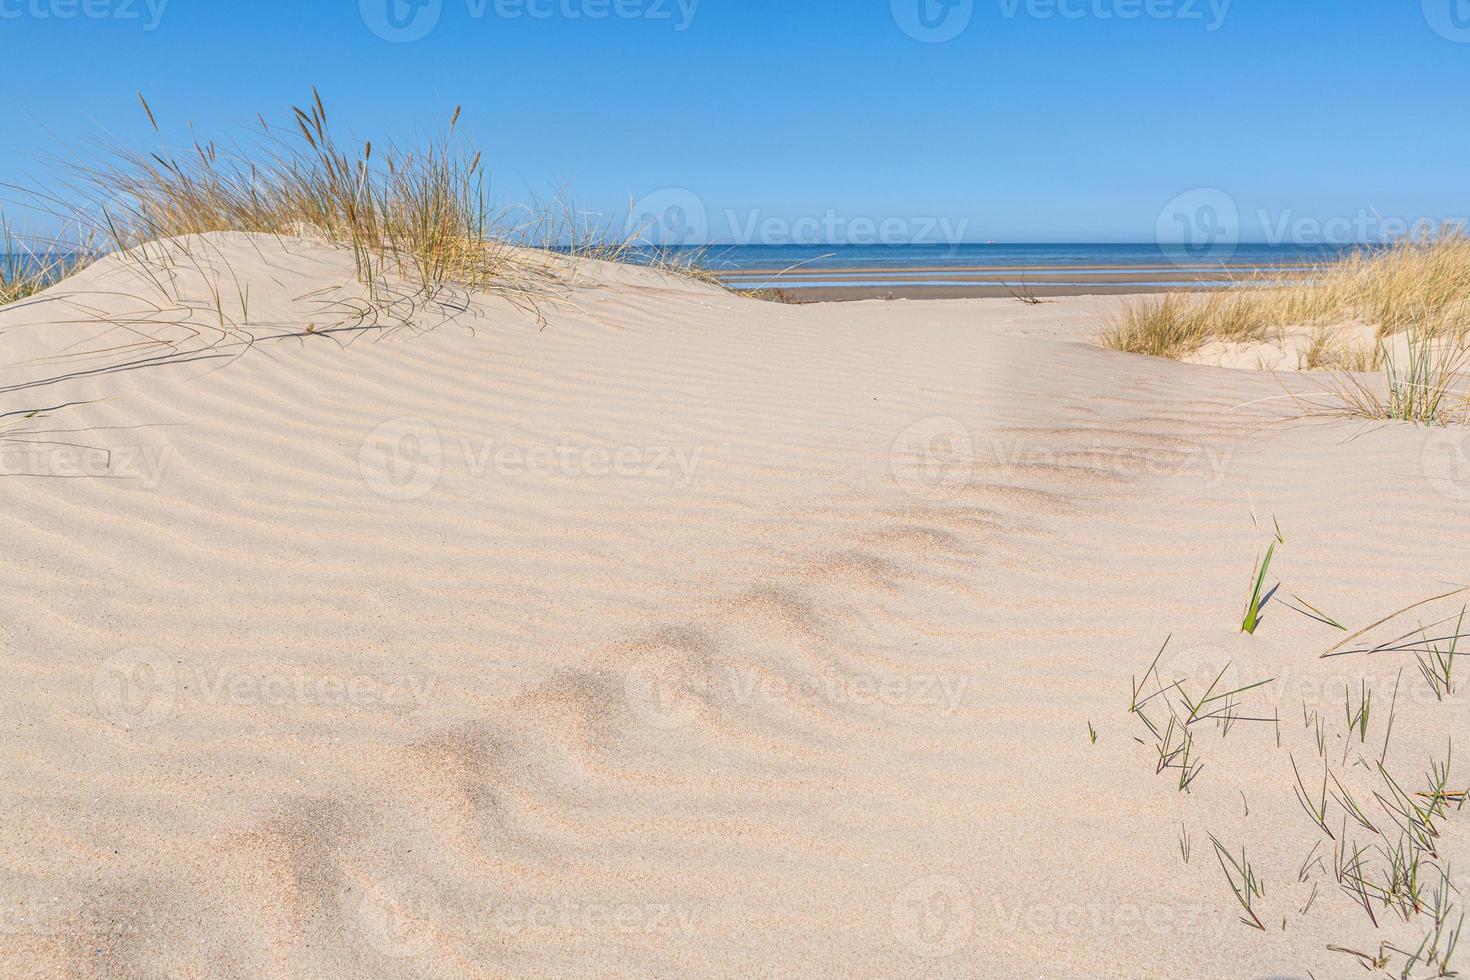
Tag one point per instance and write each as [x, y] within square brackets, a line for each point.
[680, 634]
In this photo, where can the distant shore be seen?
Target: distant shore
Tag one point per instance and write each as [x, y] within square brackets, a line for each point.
[978, 282]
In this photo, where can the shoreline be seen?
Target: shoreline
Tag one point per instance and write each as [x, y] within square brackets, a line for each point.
[984, 282]
[899, 291]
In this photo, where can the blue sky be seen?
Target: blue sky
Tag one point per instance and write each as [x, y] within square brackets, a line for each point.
[1039, 120]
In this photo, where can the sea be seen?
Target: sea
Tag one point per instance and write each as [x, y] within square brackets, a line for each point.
[1069, 265]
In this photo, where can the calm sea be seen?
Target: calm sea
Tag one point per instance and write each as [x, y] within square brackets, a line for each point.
[1073, 265]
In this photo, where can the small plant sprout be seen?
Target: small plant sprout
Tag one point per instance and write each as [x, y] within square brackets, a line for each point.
[1248, 888]
[1438, 947]
[1091, 733]
[1313, 860]
[1393, 706]
[1350, 805]
[1184, 843]
[1314, 803]
[1357, 718]
[1347, 863]
[1312, 612]
[1258, 597]
[1437, 664]
[1370, 963]
[1311, 900]
[1209, 704]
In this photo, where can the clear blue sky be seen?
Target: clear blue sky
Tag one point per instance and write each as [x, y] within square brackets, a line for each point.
[1028, 125]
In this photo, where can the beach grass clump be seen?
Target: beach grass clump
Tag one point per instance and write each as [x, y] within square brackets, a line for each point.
[28, 266]
[1175, 325]
[1420, 376]
[1422, 281]
[1426, 380]
[420, 212]
[418, 218]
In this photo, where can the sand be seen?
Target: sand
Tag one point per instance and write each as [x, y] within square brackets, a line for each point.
[681, 634]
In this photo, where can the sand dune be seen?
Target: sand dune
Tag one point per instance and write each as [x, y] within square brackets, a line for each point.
[681, 634]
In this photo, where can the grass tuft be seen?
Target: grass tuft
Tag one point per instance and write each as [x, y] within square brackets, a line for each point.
[1416, 280]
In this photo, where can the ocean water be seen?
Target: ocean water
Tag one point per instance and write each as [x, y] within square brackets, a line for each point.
[807, 266]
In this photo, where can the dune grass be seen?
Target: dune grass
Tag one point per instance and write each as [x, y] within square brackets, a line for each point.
[419, 213]
[28, 266]
[417, 217]
[1423, 282]
[1425, 379]
[1415, 295]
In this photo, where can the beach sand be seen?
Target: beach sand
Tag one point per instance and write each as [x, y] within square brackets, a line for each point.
[682, 634]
